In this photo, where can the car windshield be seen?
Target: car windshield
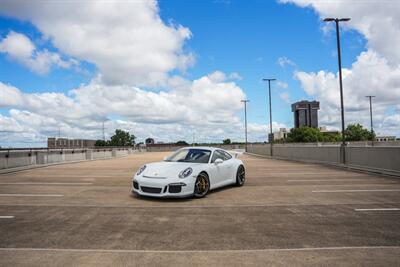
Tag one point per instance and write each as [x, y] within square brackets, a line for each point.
[190, 155]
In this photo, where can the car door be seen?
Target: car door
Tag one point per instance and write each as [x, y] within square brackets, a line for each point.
[230, 166]
[220, 171]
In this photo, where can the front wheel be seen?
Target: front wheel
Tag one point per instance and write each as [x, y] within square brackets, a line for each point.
[201, 186]
[240, 176]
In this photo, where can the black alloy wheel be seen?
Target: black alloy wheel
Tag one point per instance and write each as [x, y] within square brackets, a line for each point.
[240, 176]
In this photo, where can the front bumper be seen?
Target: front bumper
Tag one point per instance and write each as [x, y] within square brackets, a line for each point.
[166, 187]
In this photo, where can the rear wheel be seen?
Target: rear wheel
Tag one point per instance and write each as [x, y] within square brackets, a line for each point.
[202, 185]
[240, 175]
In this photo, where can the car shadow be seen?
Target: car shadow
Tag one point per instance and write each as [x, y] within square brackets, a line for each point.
[180, 199]
[221, 189]
[163, 200]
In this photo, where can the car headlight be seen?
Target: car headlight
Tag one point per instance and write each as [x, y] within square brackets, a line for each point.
[185, 173]
[139, 172]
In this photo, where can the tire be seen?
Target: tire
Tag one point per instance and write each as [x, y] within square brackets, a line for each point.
[201, 186]
[240, 176]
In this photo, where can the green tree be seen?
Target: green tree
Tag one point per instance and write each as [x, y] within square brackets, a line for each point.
[227, 141]
[181, 143]
[305, 134]
[332, 137]
[101, 143]
[355, 132]
[122, 138]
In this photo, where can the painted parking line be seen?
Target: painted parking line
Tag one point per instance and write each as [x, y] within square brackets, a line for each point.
[379, 209]
[43, 183]
[355, 191]
[200, 251]
[6, 217]
[30, 195]
[327, 180]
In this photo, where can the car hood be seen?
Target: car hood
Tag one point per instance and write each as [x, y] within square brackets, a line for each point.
[167, 169]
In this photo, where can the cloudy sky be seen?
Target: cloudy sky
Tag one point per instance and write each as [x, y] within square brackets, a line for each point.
[177, 70]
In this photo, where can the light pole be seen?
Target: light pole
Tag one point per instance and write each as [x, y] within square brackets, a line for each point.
[270, 139]
[337, 20]
[245, 121]
[370, 111]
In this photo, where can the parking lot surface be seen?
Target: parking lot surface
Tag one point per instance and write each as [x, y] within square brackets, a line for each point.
[286, 214]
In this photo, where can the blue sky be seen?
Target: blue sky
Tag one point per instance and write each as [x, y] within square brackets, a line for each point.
[244, 40]
[249, 37]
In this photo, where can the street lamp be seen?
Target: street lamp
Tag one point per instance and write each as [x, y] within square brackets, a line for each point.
[370, 111]
[336, 20]
[270, 139]
[245, 121]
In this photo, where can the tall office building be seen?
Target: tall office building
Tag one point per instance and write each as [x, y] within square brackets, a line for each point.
[305, 113]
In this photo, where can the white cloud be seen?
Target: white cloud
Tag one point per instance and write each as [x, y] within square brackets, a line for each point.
[285, 96]
[235, 76]
[369, 75]
[375, 71]
[126, 40]
[208, 103]
[378, 21]
[259, 132]
[21, 49]
[284, 61]
[282, 85]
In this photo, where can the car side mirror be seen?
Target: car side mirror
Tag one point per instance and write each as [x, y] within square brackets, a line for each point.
[218, 161]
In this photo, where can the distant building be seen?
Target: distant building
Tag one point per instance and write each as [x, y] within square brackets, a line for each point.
[69, 143]
[305, 113]
[282, 134]
[385, 138]
[323, 129]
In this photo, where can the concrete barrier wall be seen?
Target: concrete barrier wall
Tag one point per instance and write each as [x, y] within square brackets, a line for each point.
[381, 158]
[21, 158]
[11, 159]
[317, 154]
[263, 150]
[75, 155]
[102, 154]
[384, 159]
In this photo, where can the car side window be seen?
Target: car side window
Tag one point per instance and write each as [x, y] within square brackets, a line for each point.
[217, 155]
[227, 156]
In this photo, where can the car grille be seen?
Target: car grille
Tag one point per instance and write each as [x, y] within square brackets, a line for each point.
[153, 190]
[135, 185]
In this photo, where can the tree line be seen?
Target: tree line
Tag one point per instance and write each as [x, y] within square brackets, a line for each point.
[304, 134]
[120, 138]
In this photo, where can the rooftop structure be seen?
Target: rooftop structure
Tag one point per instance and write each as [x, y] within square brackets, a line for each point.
[305, 113]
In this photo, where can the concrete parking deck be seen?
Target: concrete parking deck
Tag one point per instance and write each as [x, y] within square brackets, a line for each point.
[286, 214]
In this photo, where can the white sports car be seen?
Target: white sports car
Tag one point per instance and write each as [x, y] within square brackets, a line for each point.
[190, 171]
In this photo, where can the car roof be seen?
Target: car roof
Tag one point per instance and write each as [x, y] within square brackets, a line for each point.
[203, 147]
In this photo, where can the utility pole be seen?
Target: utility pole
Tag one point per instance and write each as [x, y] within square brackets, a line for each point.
[104, 135]
[271, 136]
[245, 121]
[370, 114]
[370, 111]
[337, 20]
